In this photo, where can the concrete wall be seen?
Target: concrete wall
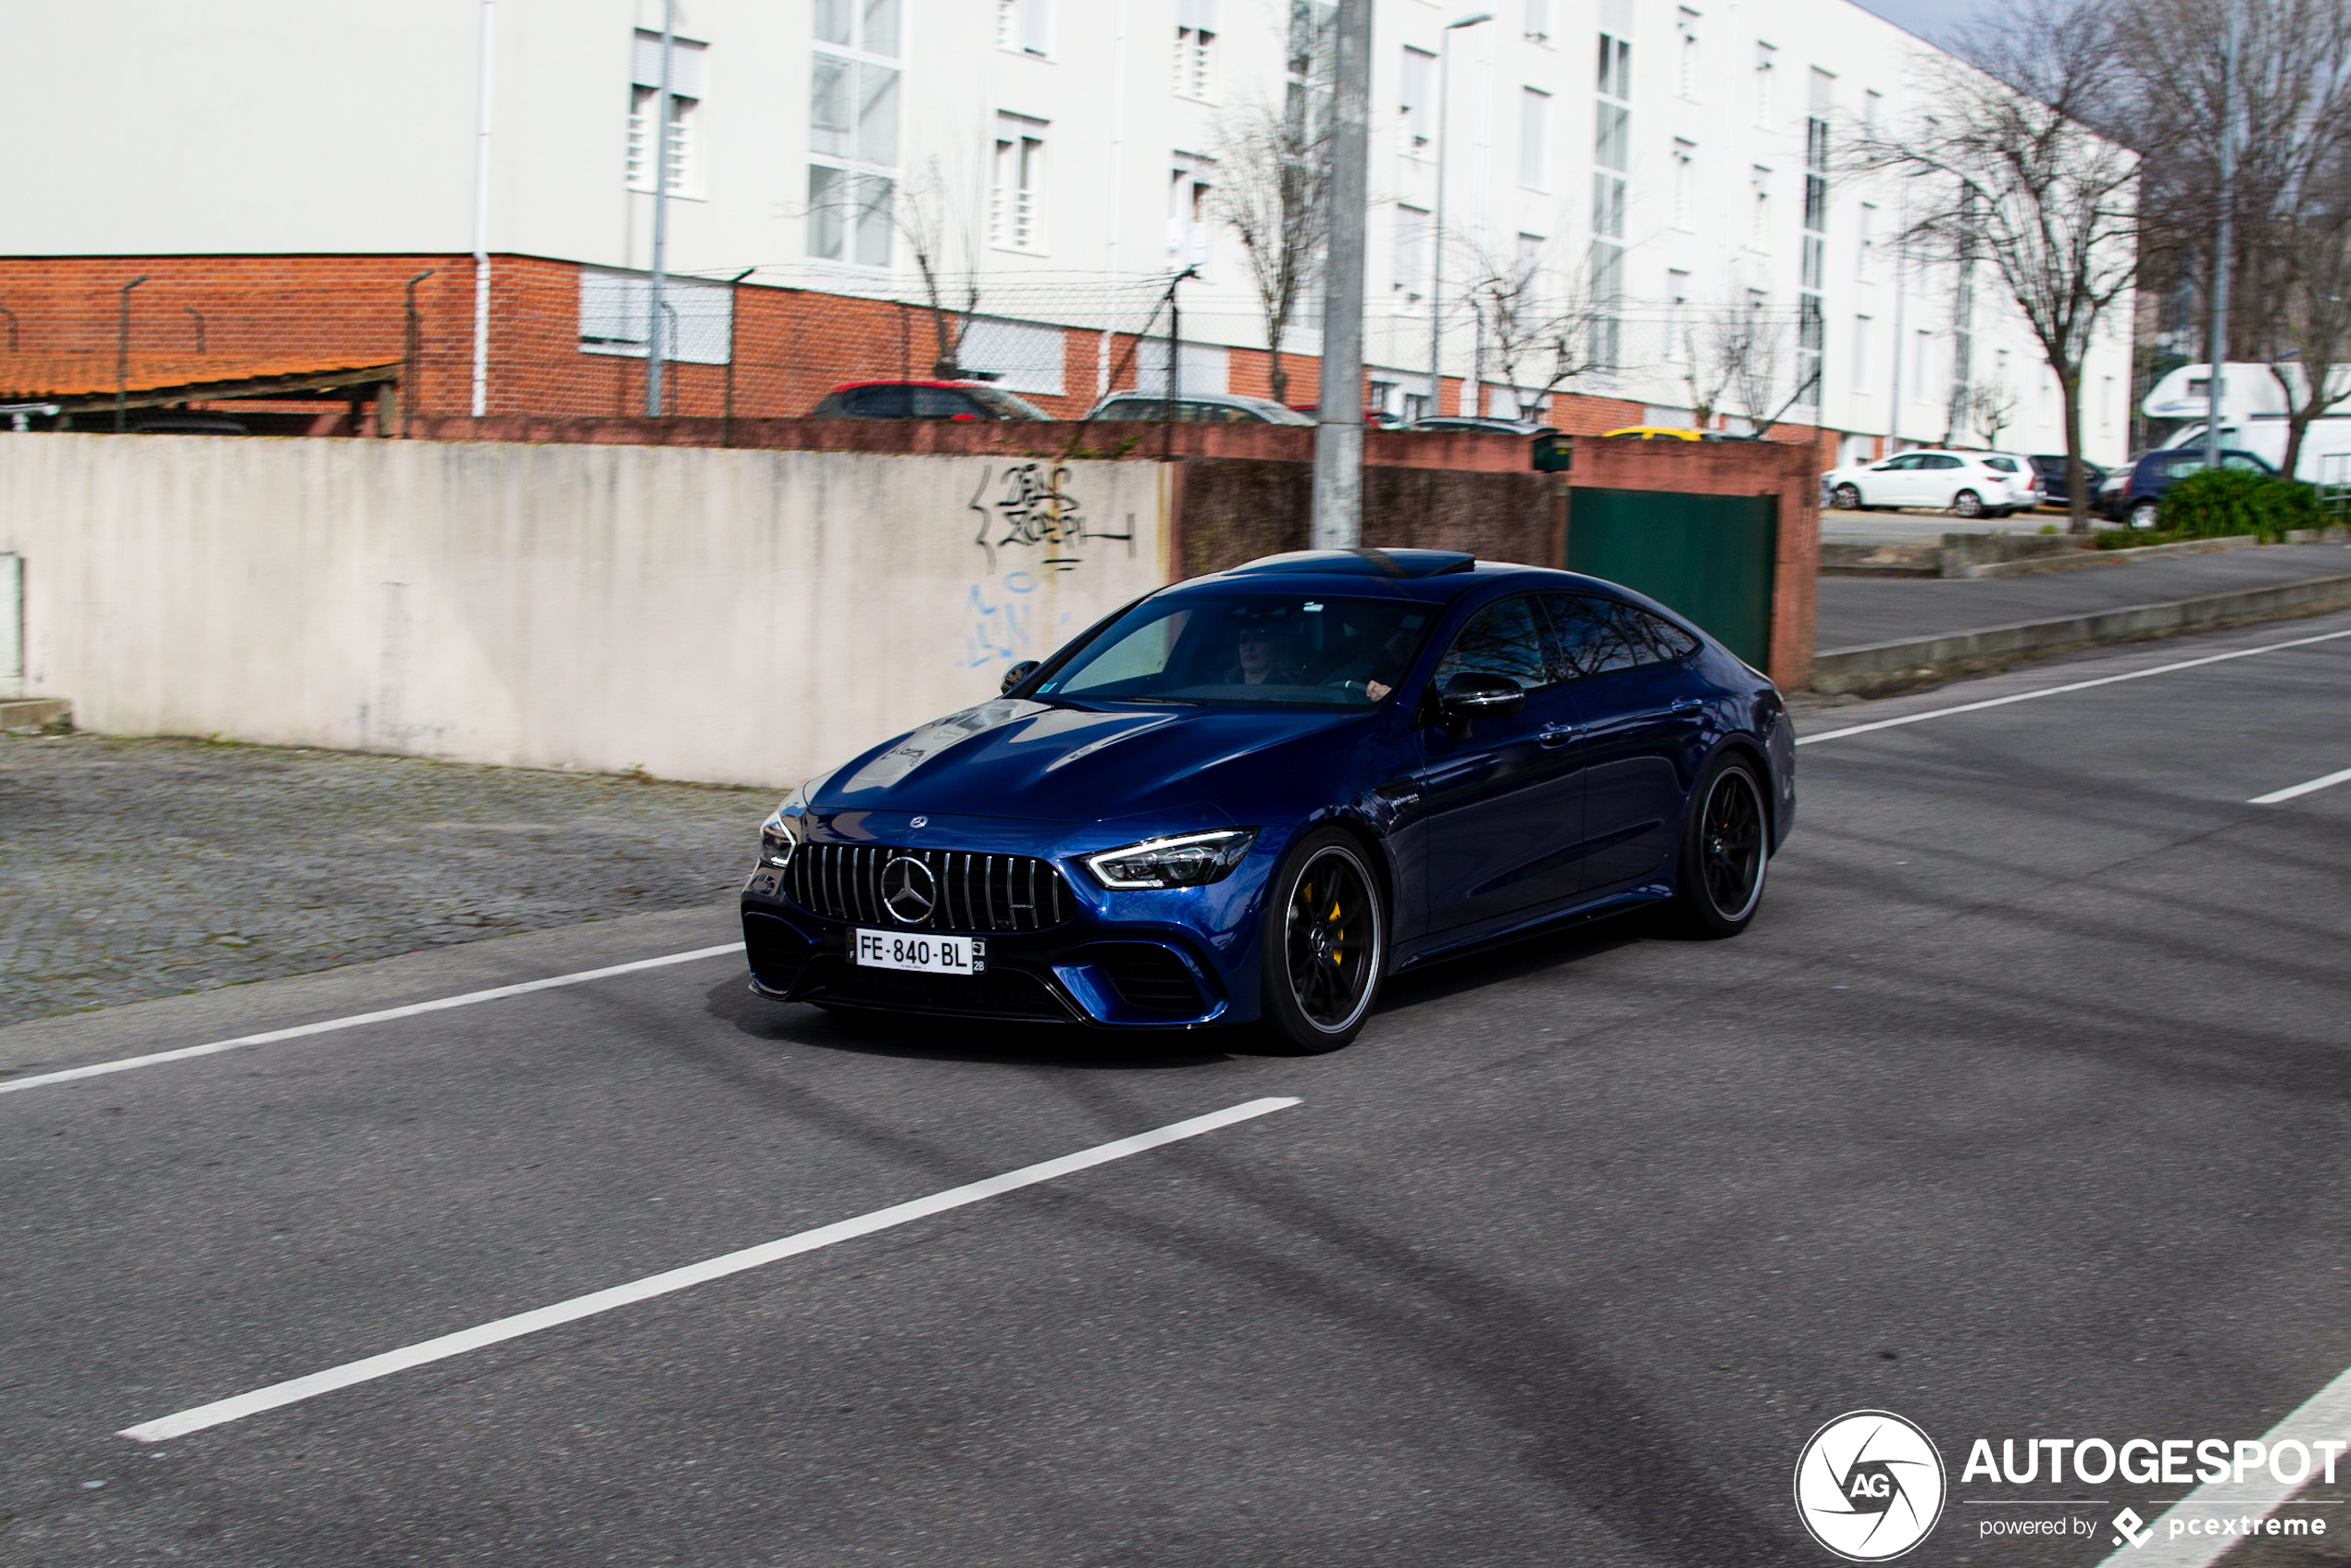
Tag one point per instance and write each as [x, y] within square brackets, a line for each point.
[739, 616]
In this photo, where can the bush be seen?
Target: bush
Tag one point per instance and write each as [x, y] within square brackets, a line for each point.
[2220, 501]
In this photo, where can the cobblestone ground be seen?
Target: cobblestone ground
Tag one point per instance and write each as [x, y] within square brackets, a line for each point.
[140, 869]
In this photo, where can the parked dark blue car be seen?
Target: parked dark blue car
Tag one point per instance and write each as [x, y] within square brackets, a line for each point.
[1251, 796]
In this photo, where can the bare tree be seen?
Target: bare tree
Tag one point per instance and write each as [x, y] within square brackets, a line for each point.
[2311, 316]
[1537, 321]
[1273, 190]
[2288, 205]
[1733, 360]
[2008, 170]
[1991, 409]
[936, 222]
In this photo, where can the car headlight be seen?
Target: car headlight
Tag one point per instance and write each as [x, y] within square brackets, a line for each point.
[1187, 860]
[776, 840]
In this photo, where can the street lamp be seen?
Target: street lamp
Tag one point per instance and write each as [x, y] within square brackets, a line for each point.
[1436, 256]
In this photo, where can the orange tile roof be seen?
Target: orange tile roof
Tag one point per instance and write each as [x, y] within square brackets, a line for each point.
[26, 378]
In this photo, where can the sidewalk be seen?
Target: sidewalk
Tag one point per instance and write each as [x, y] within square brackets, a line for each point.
[1883, 632]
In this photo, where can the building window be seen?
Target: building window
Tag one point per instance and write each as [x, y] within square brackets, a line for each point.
[686, 64]
[1611, 140]
[1022, 27]
[1527, 270]
[1860, 353]
[1811, 328]
[1416, 111]
[1923, 342]
[1015, 219]
[1190, 190]
[1411, 250]
[1686, 73]
[1759, 221]
[616, 310]
[1539, 22]
[1870, 100]
[1677, 329]
[853, 131]
[1865, 239]
[1533, 138]
[1195, 48]
[1767, 59]
[1685, 181]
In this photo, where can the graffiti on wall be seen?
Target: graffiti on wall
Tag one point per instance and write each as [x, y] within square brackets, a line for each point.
[1028, 505]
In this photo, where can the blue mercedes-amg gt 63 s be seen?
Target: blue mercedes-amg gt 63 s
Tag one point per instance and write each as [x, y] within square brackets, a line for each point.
[1250, 797]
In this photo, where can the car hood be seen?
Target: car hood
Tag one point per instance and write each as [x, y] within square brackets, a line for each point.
[1044, 761]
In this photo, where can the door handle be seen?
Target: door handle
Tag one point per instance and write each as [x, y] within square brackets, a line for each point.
[1556, 734]
[1685, 705]
[1398, 791]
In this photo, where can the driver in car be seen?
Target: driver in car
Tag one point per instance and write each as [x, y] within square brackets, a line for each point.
[1260, 655]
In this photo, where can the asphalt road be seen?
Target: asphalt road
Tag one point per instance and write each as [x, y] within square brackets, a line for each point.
[1856, 610]
[2021, 1111]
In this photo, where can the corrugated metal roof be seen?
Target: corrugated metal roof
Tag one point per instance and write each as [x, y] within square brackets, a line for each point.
[26, 378]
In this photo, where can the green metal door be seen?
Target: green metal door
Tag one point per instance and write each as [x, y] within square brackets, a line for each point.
[1708, 557]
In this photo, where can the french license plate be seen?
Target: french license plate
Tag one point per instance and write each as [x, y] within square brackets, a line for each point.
[923, 952]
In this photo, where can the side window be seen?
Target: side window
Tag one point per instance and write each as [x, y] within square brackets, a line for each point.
[1595, 636]
[878, 403]
[942, 402]
[1940, 463]
[2000, 465]
[1499, 639]
[2238, 460]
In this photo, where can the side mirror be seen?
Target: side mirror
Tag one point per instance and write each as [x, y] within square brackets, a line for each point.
[1474, 694]
[1018, 673]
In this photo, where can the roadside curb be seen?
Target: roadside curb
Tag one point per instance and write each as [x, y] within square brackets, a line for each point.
[1877, 668]
[2109, 557]
[34, 713]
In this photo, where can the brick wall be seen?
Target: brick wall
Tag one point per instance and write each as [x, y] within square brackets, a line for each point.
[791, 345]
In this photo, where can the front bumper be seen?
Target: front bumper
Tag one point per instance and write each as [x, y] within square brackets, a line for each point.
[1173, 958]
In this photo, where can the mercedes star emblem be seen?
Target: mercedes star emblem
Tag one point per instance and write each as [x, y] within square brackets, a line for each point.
[908, 889]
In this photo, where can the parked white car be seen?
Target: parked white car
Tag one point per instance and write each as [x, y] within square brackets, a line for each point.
[1967, 484]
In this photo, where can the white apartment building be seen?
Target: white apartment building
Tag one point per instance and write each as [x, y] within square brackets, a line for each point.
[1660, 165]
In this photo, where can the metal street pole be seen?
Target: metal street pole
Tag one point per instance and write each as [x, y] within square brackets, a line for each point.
[2216, 386]
[122, 355]
[479, 401]
[654, 324]
[1437, 252]
[734, 317]
[1338, 435]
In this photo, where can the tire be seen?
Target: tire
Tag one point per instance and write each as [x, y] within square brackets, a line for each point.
[1846, 498]
[1725, 848]
[2146, 515]
[1311, 1000]
[1967, 504]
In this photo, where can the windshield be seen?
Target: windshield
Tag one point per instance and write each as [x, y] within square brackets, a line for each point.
[1250, 649]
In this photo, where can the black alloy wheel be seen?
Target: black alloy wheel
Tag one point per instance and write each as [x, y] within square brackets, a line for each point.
[1846, 498]
[1967, 504]
[1325, 943]
[1725, 848]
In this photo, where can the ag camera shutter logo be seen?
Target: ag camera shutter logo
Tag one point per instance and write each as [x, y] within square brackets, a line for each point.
[1869, 1485]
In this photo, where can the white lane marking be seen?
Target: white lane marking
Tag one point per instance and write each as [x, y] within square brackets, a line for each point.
[2057, 690]
[2326, 1417]
[2275, 796]
[457, 1344]
[439, 1004]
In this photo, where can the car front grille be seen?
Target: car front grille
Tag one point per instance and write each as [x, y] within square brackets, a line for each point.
[971, 893]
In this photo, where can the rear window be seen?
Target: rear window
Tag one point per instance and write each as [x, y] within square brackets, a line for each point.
[1003, 404]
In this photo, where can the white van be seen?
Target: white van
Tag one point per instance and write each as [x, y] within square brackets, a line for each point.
[2252, 416]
